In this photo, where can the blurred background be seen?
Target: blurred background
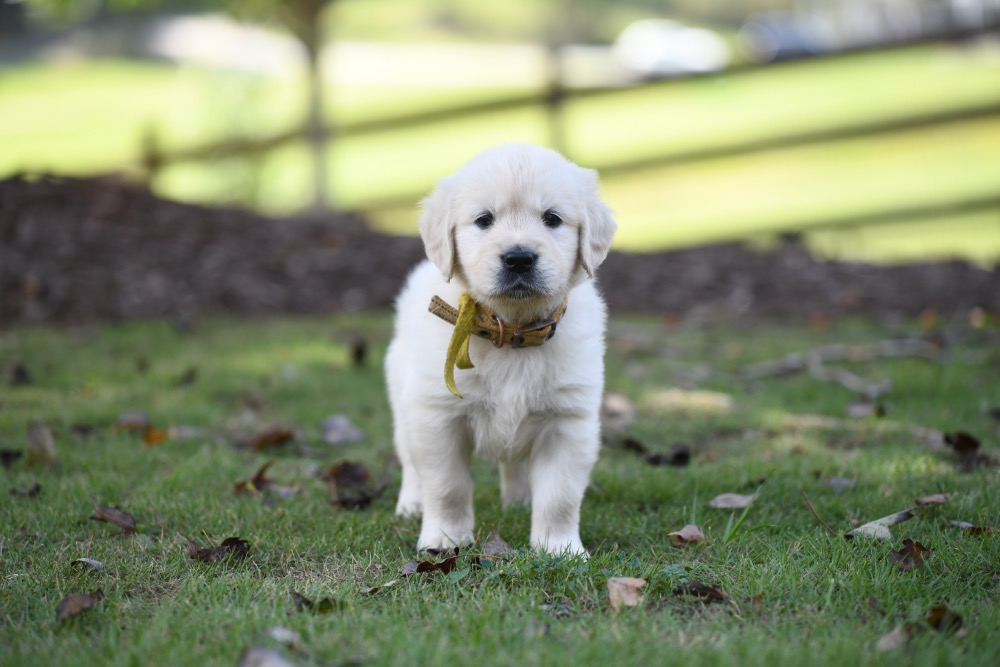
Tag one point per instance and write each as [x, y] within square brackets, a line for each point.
[868, 129]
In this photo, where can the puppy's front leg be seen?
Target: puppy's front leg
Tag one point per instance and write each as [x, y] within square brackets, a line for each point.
[441, 457]
[563, 456]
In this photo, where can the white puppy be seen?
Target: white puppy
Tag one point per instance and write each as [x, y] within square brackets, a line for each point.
[516, 235]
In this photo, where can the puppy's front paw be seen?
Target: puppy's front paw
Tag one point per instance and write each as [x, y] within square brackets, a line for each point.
[444, 539]
[408, 506]
[556, 545]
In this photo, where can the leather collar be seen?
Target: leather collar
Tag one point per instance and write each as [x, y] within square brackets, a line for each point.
[489, 326]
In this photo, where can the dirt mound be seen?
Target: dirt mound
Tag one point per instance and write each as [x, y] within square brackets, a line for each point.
[98, 249]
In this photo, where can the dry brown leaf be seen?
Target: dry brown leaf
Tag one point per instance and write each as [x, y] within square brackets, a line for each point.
[114, 516]
[274, 436]
[497, 546]
[911, 556]
[41, 447]
[624, 591]
[444, 567]
[731, 501]
[350, 484]
[943, 619]
[260, 483]
[689, 534]
[75, 604]
[879, 528]
[27, 491]
[935, 499]
[154, 436]
[232, 547]
[324, 606]
[708, 593]
[9, 456]
[974, 530]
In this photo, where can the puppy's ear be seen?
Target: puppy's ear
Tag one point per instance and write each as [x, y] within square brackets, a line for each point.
[596, 230]
[437, 228]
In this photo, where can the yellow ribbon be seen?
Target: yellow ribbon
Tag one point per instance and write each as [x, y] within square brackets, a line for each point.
[458, 347]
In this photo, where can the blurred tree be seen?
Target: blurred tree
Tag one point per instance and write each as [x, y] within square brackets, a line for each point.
[302, 18]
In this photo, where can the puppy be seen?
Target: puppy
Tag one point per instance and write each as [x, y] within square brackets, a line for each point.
[513, 239]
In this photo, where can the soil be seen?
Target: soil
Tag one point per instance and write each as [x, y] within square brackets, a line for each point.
[100, 249]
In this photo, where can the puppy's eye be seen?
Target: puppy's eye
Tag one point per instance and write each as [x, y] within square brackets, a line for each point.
[551, 219]
[485, 220]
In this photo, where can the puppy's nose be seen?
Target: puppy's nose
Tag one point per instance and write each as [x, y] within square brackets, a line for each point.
[519, 260]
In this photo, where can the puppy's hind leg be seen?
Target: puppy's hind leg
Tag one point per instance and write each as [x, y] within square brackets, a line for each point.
[409, 502]
[515, 484]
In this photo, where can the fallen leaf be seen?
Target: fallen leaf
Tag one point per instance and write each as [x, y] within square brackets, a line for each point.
[679, 456]
[445, 566]
[28, 491]
[114, 516]
[83, 430]
[497, 546]
[41, 447]
[9, 456]
[75, 604]
[19, 375]
[689, 534]
[865, 409]
[839, 484]
[359, 352]
[974, 530]
[350, 484]
[273, 436]
[187, 378]
[911, 556]
[617, 413]
[154, 436]
[133, 421]
[375, 589]
[88, 563]
[624, 591]
[706, 592]
[284, 636]
[260, 483]
[935, 499]
[232, 547]
[893, 640]
[943, 619]
[731, 501]
[260, 656]
[338, 430]
[690, 401]
[324, 606]
[879, 528]
[966, 447]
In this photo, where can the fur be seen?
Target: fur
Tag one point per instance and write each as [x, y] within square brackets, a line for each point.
[533, 410]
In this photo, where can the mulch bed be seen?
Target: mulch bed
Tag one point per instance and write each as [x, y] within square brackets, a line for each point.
[85, 250]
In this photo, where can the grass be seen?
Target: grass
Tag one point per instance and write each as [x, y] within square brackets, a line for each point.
[796, 594]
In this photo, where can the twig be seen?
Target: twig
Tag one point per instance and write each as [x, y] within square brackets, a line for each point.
[814, 362]
[818, 518]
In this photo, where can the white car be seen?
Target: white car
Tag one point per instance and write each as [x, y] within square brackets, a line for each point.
[660, 47]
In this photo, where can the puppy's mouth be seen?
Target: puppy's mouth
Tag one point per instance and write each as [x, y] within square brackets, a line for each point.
[519, 287]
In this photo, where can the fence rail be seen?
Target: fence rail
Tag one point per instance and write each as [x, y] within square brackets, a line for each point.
[553, 99]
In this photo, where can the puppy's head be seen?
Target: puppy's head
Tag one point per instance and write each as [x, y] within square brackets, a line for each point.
[519, 226]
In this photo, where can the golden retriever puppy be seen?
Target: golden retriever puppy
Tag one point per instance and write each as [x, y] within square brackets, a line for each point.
[499, 345]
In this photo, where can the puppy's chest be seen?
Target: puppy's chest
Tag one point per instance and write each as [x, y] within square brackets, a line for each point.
[512, 403]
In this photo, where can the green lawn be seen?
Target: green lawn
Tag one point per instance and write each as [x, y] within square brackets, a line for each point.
[796, 595]
[87, 117]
